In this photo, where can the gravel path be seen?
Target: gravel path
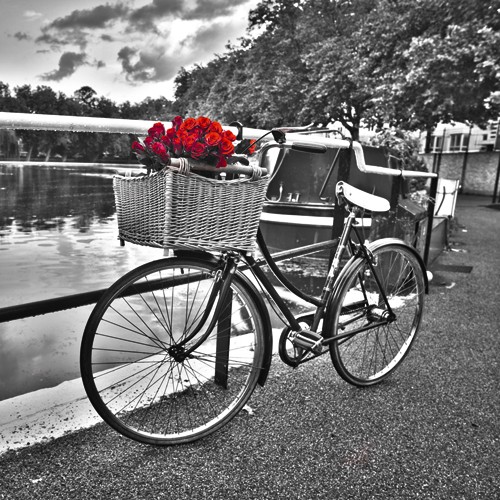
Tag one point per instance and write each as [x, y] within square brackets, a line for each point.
[431, 431]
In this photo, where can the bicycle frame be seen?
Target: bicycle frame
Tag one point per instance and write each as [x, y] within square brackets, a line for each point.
[231, 261]
[343, 243]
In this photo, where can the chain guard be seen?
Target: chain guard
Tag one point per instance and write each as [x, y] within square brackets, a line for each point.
[290, 354]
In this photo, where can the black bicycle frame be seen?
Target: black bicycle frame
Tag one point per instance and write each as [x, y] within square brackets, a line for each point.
[343, 243]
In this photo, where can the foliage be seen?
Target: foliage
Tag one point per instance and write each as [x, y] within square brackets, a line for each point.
[403, 63]
[398, 62]
[84, 102]
[406, 148]
[404, 145]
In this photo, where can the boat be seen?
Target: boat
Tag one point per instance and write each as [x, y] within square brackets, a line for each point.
[300, 200]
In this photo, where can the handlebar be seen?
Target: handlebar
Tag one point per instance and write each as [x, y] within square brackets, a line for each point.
[296, 141]
[230, 169]
[306, 147]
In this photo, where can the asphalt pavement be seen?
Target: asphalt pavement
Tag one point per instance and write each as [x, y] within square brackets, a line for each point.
[431, 431]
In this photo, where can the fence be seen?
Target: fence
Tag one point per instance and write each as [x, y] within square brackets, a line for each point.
[138, 127]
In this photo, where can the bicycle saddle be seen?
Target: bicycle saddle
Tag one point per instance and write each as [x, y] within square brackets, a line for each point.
[362, 199]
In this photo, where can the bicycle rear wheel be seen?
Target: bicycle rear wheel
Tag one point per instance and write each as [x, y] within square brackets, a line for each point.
[132, 362]
[376, 334]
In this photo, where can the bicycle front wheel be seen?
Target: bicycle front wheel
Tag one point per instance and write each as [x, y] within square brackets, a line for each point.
[132, 355]
[377, 314]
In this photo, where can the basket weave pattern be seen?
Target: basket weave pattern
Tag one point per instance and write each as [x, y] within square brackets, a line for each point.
[171, 210]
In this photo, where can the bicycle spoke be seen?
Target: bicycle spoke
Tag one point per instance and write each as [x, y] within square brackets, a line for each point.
[145, 369]
[370, 348]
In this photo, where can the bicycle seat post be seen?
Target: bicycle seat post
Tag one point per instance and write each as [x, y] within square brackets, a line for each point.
[339, 252]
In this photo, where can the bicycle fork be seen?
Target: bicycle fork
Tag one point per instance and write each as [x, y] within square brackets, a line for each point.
[223, 280]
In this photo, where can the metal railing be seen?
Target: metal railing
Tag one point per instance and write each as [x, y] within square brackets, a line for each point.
[139, 127]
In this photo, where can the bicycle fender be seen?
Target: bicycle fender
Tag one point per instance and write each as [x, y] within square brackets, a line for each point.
[345, 272]
[266, 323]
[259, 301]
[395, 241]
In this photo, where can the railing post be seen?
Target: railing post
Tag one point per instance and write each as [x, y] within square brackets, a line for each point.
[430, 218]
[223, 342]
[343, 175]
[339, 211]
[497, 178]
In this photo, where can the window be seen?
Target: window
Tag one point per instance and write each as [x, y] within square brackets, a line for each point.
[458, 142]
[437, 143]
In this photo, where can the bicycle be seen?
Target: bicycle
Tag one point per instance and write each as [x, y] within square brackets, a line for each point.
[175, 348]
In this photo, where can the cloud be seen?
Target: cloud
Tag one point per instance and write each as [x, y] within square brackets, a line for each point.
[79, 38]
[145, 58]
[209, 9]
[98, 17]
[145, 18]
[31, 15]
[149, 65]
[161, 62]
[22, 36]
[70, 29]
[68, 64]
[210, 38]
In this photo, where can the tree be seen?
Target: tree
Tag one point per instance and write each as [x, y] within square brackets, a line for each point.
[372, 62]
[87, 97]
[451, 70]
[42, 100]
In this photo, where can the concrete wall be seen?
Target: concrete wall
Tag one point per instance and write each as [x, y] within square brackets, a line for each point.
[480, 170]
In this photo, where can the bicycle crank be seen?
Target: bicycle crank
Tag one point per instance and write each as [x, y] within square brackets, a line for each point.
[309, 341]
[294, 347]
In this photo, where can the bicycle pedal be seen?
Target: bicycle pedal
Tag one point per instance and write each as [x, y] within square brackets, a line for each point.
[308, 340]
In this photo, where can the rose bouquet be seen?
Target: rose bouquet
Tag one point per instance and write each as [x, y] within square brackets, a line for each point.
[198, 138]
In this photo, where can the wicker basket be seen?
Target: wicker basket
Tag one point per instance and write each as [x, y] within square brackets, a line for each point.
[171, 210]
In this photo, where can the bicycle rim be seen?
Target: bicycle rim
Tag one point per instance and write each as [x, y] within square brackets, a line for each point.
[145, 389]
[374, 345]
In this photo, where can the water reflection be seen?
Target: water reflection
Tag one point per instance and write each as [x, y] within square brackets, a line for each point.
[57, 237]
[39, 198]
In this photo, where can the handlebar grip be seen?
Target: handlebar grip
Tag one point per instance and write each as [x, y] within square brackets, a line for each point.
[230, 169]
[307, 147]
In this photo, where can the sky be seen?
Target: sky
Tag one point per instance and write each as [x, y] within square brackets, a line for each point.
[126, 50]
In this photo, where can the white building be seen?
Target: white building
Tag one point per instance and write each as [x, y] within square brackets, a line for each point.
[460, 137]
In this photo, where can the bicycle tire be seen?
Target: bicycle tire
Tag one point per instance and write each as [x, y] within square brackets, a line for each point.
[373, 352]
[127, 364]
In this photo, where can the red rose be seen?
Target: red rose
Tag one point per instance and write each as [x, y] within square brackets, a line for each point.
[203, 122]
[252, 148]
[148, 141]
[177, 145]
[137, 146]
[166, 140]
[188, 124]
[215, 127]
[157, 130]
[159, 149]
[189, 142]
[226, 147]
[222, 162]
[198, 151]
[176, 122]
[182, 134]
[212, 139]
[229, 135]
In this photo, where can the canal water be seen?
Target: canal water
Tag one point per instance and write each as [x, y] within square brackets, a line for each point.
[58, 236]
